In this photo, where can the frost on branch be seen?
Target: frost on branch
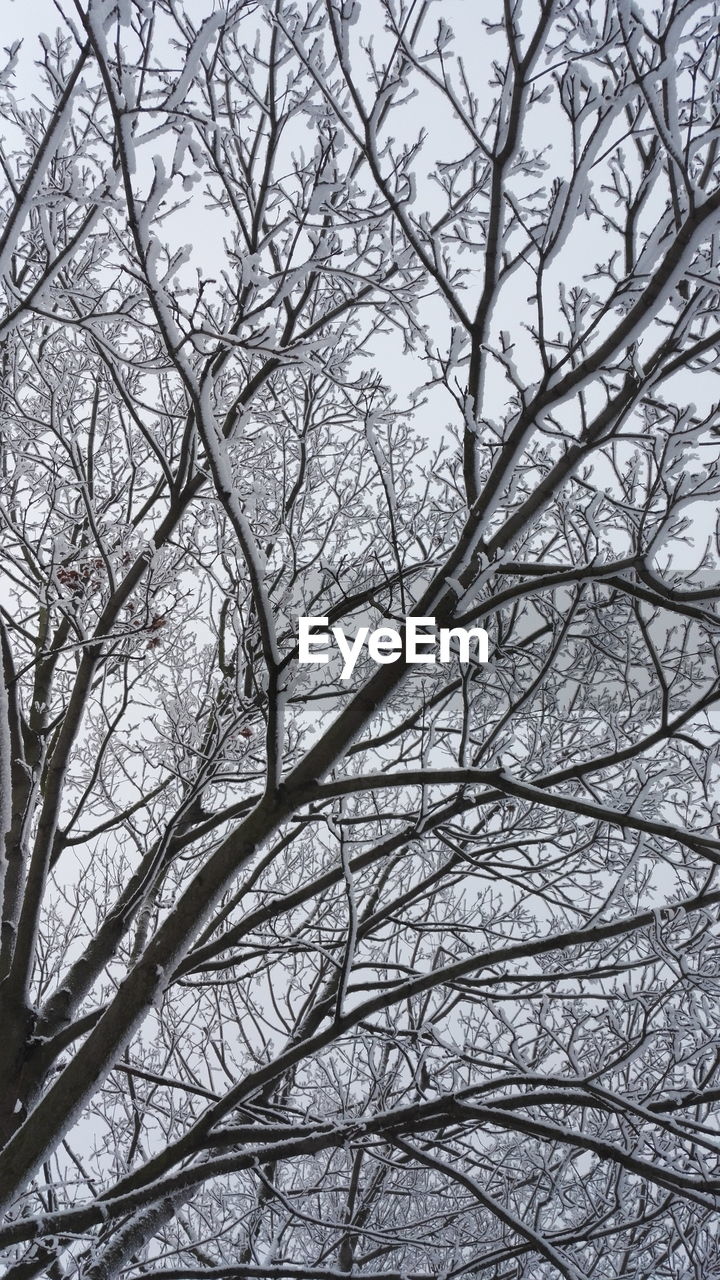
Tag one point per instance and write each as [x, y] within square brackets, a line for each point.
[359, 312]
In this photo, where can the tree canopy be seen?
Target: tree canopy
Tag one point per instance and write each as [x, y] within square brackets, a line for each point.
[362, 311]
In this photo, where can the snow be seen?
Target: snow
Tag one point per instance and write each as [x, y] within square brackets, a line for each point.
[209, 28]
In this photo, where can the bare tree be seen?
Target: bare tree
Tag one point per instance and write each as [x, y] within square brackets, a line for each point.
[362, 312]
